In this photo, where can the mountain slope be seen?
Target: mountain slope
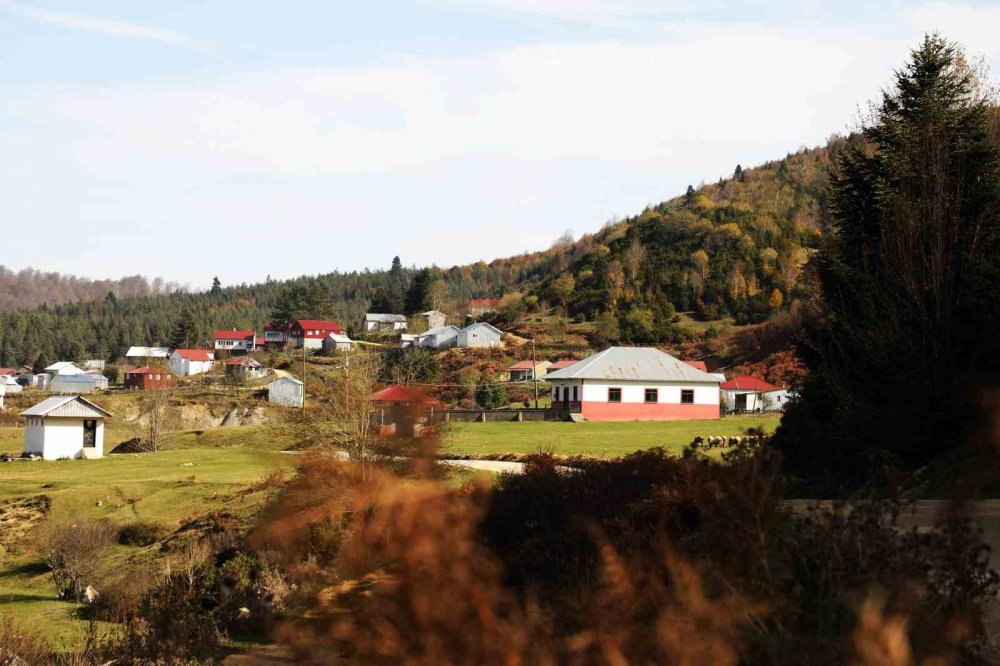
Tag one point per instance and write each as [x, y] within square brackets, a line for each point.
[731, 248]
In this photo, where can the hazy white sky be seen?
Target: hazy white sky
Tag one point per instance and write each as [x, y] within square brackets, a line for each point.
[243, 139]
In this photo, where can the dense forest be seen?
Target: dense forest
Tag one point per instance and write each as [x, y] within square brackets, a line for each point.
[732, 248]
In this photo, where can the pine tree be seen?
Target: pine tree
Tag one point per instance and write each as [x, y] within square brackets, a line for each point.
[185, 334]
[216, 285]
[909, 282]
[689, 196]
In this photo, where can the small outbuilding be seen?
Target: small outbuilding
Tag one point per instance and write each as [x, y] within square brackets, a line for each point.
[187, 362]
[84, 383]
[375, 321]
[434, 318]
[336, 343]
[65, 426]
[526, 371]
[148, 378]
[11, 384]
[244, 368]
[746, 393]
[438, 337]
[287, 391]
[479, 334]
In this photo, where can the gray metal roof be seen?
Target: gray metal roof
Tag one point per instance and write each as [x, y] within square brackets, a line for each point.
[480, 324]
[148, 352]
[66, 405]
[384, 317]
[80, 379]
[633, 363]
[287, 378]
[437, 330]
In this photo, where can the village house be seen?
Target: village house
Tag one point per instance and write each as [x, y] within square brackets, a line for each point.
[83, 383]
[245, 369]
[383, 322]
[94, 365]
[479, 334]
[235, 341]
[287, 391]
[480, 306]
[400, 409]
[746, 393]
[147, 354]
[40, 381]
[434, 319]
[11, 385]
[64, 427]
[187, 362]
[310, 333]
[276, 336]
[65, 368]
[438, 337]
[148, 378]
[634, 384]
[337, 343]
[526, 371]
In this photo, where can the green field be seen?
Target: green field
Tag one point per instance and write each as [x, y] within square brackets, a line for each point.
[596, 439]
[152, 487]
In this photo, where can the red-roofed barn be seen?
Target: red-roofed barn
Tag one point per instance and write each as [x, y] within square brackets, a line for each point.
[148, 378]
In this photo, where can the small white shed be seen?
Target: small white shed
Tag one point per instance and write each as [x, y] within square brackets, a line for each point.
[480, 334]
[66, 426]
[336, 343]
[286, 391]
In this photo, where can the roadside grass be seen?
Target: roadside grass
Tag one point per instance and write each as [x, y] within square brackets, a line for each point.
[151, 487]
[604, 439]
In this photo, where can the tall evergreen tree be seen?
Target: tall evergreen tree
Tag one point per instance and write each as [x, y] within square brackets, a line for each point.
[908, 281]
[216, 285]
[185, 333]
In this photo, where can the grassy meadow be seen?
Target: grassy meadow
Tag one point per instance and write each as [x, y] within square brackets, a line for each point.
[606, 439]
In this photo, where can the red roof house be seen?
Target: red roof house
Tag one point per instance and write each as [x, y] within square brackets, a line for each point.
[234, 340]
[148, 378]
[397, 394]
[699, 365]
[478, 306]
[747, 383]
[310, 333]
[563, 363]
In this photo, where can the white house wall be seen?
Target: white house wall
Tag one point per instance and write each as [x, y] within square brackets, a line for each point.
[635, 392]
[59, 438]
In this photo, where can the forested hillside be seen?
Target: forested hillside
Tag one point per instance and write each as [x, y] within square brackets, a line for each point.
[732, 248]
[29, 288]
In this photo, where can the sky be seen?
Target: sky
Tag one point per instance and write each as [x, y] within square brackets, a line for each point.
[245, 139]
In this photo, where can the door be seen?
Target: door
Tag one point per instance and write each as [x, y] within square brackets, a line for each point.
[565, 398]
[741, 402]
[89, 433]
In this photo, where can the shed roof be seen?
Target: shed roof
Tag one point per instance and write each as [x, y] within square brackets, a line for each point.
[483, 302]
[481, 324]
[66, 405]
[147, 352]
[747, 383]
[633, 363]
[321, 324]
[338, 337]
[388, 318]
[6, 371]
[438, 330]
[563, 363]
[62, 365]
[286, 379]
[527, 365]
[195, 354]
[400, 393]
[85, 378]
[700, 365]
[244, 360]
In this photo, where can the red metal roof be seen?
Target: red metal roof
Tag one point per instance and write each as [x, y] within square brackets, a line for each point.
[148, 370]
[525, 365]
[196, 354]
[747, 383]
[699, 365]
[277, 327]
[259, 341]
[398, 393]
[483, 302]
[564, 363]
[321, 327]
[6, 371]
[225, 334]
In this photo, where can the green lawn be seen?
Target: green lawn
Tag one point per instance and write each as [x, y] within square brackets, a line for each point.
[152, 487]
[597, 439]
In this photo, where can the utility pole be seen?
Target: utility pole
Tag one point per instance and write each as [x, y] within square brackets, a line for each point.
[534, 371]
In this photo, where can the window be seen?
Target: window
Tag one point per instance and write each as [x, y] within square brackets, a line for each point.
[614, 395]
[652, 395]
[687, 396]
[575, 394]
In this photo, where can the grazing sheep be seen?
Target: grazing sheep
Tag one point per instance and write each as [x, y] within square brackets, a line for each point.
[734, 441]
[697, 441]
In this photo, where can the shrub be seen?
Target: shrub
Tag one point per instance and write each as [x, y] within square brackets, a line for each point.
[140, 533]
[19, 645]
[74, 553]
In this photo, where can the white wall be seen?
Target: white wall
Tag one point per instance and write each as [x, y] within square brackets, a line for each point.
[59, 438]
[285, 393]
[635, 392]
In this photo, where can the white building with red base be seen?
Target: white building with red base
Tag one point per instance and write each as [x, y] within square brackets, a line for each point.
[634, 384]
